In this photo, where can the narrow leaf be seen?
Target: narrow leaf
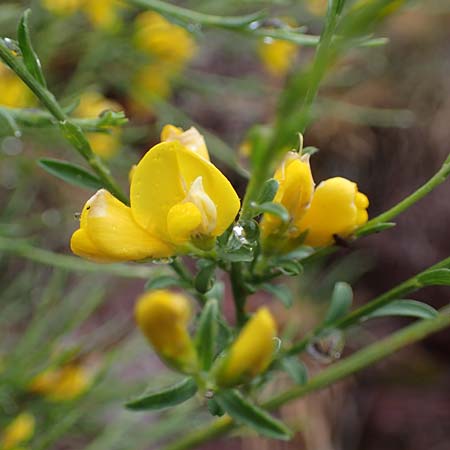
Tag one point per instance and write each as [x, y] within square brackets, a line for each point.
[272, 208]
[436, 277]
[70, 173]
[341, 300]
[268, 191]
[204, 280]
[295, 369]
[30, 57]
[406, 308]
[165, 398]
[375, 228]
[246, 413]
[207, 330]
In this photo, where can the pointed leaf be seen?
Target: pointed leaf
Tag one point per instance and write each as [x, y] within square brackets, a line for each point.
[341, 300]
[272, 208]
[165, 398]
[164, 281]
[282, 292]
[30, 57]
[70, 173]
[268, 191]
[204, 279]
[407, 308]
[207, 330]
[435, 277]
[295, 369]
[246, 413]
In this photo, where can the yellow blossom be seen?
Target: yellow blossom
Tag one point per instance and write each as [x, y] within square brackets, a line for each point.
[277, 56]
[251, 353]
[102, 13]
[14, 93]
[61, 384]
[165, 41]
[62, 7]
[92, 104]
[20, 430]
[176, 196]
[190, 138]
[151, 82]
[337, 208]
[295, 191]
[163, 318]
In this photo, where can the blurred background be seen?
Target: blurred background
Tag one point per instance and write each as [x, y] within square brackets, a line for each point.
[381, 119]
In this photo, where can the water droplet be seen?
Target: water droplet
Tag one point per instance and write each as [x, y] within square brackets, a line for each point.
[327, 347]
[163, 260]
[12, 146]
[239, 234]
[278, 343]
[254, 25]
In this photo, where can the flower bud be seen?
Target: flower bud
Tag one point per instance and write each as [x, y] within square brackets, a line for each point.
[20, 430]
[61, 384]
[251, 353]
[163, 317]
[337, 208]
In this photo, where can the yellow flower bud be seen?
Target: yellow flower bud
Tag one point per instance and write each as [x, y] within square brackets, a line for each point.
[61, 384]
[295, 191]
[20, 430]
[163, 317]
[251, 353]
[167, 42]
[277, 56]
[102, 13]
[337, 208]
[62, 7]
[151, 82]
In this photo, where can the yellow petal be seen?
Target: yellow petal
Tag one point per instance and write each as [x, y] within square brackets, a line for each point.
[190, 138]
[163, 179]
[277, 56]
[82, 245]
[183, 219]
[163, 318]
[252, 351]
[336, 209]
[111, 230]
[20, 430]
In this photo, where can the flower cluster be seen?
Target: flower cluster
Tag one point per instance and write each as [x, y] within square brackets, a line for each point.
[163, 317]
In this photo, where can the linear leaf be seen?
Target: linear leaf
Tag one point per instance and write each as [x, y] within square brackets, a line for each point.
[436, 277]
[407, 308]
[245, 412]
[341, 300]
[207, 330]
[272, 208]
[70, 173]
[165, 398]
[30, 57]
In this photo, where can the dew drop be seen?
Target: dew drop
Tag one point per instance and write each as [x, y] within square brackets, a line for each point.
[327, 347]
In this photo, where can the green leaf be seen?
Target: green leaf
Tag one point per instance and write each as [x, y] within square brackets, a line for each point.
[295, 369]
[70, 173]
[290, 267]
[246, 413]
[375, 228]
[435, 277]
[282, 292]
[165, 398]
[204, 279]
[407, 308]
[268, 191]
[164, 281]
[30, 57]
[74, 134]
[309, 150]
[276, 209]
[341, 300]
[206, 335]
[214, 408]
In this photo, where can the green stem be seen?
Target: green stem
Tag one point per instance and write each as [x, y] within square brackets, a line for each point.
[408, 286]
[239, 293]
[25, 250]
[77, 138]
[334, 373]
[439, 177]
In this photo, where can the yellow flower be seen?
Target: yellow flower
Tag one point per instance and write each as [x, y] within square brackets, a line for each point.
[102, 13]
[62, 7]
[251, 353]
[151, 82]
[165, 41]
[14, 93]
[295, 191]
[163, 318]
[277, 56]
[20, 430]
[177, 197]
[191, 139]
[61, 384]
[92, 104]
[337, 208]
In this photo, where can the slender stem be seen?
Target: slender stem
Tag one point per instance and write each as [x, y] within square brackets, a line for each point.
[23, 249]
[76, 136]
[334, 373]
[439, 177]
[239, 293]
